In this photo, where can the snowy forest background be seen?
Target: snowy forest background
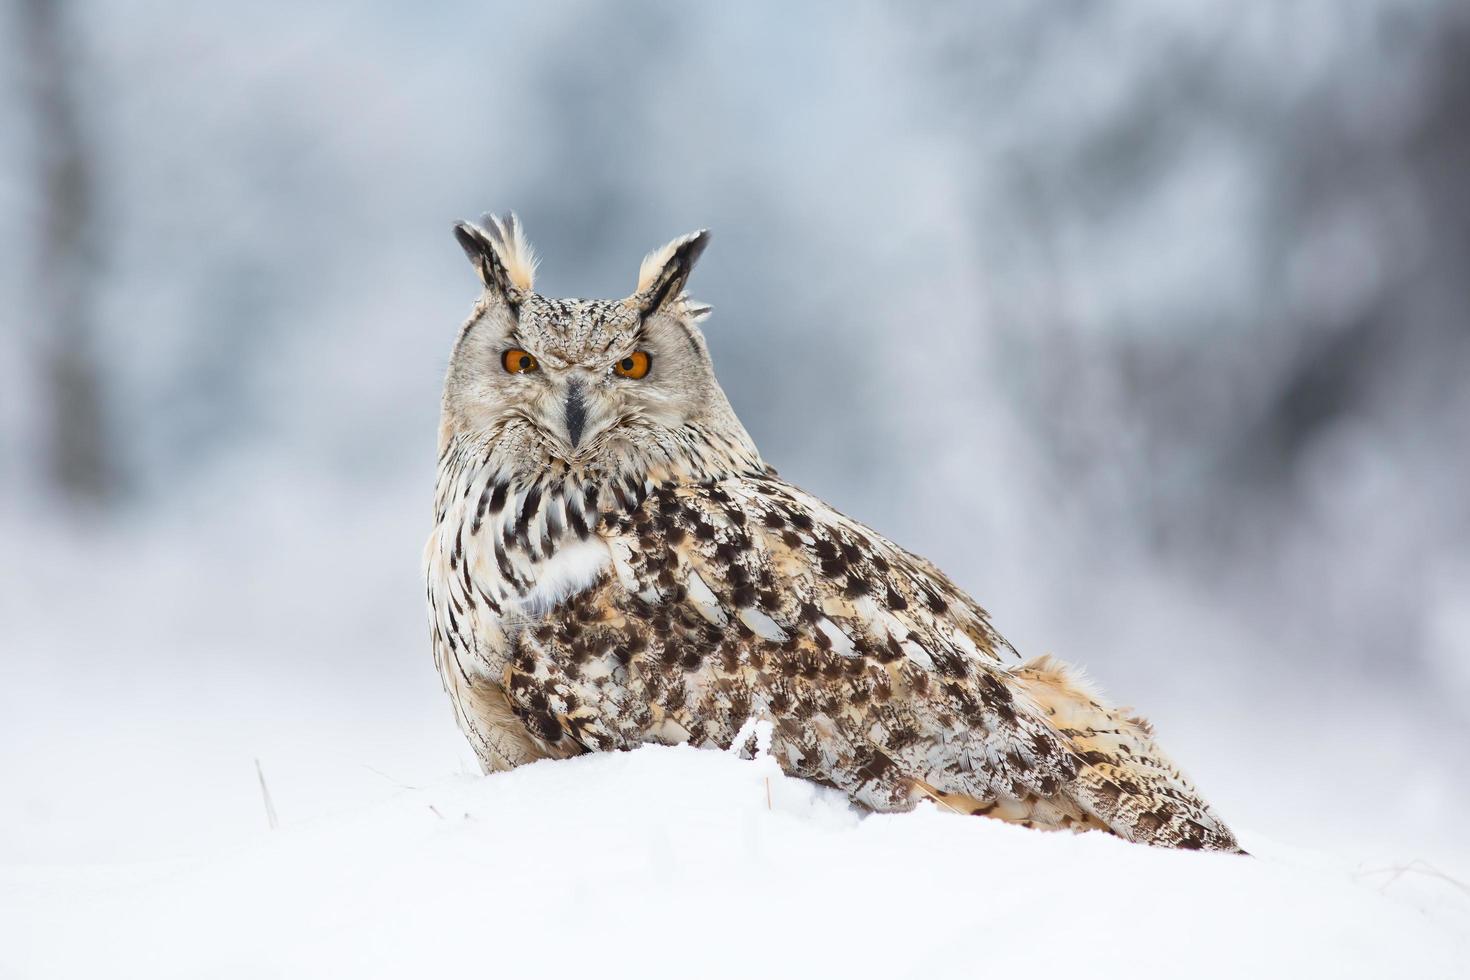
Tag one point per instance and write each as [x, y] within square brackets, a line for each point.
[1148, 322]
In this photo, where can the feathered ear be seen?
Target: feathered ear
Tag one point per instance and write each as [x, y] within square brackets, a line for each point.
[664, 272]
[498, 248]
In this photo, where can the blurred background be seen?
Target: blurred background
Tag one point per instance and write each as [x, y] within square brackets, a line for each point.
[1169, 304]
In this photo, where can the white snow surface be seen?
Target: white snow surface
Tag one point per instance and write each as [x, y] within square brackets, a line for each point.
[677, 862]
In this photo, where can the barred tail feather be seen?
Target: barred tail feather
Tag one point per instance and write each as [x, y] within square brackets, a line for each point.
[1125, 781]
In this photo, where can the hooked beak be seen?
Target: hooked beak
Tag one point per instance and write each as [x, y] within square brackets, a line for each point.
[576, 413]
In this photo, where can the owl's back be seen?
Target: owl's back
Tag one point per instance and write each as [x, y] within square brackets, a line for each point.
[738, 598]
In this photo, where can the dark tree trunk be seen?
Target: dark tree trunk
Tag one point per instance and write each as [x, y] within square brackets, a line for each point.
[75, 443]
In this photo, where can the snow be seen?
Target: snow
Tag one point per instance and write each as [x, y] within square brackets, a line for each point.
[1083, 403]
[672, 861]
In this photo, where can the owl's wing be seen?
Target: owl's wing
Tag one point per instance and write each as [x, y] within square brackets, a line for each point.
[750, 598]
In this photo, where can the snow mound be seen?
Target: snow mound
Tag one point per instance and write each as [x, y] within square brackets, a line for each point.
[674, 862]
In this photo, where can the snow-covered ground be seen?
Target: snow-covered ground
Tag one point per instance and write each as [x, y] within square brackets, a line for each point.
[675, 862]
[1088, 310]
[134, 838]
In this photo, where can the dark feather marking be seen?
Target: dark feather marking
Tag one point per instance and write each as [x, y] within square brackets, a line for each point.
[497, 499]
[480, 509]
[529, 507]
[469, 586]
[576, 520]
[501, 559]
[635, 489]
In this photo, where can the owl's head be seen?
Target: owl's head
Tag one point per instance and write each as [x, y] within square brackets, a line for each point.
[588, 386]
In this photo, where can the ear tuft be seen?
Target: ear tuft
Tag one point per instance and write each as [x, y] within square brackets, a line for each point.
[499, 250]
[509, 236]
[665, 271]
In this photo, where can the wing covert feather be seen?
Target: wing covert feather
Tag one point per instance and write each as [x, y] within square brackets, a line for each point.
[749, 597]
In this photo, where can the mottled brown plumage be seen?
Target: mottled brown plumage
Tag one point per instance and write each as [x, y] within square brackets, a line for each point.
[613, 564]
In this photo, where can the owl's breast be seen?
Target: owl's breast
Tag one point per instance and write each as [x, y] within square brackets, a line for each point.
[574, 567]
[505, 555]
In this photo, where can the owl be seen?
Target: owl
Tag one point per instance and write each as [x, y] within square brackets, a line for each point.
[612, 564]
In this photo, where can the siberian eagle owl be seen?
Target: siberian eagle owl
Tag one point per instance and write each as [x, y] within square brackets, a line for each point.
[613, 564]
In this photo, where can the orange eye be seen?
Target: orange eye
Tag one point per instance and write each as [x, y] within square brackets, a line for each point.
[635, 365]
[517, 361]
